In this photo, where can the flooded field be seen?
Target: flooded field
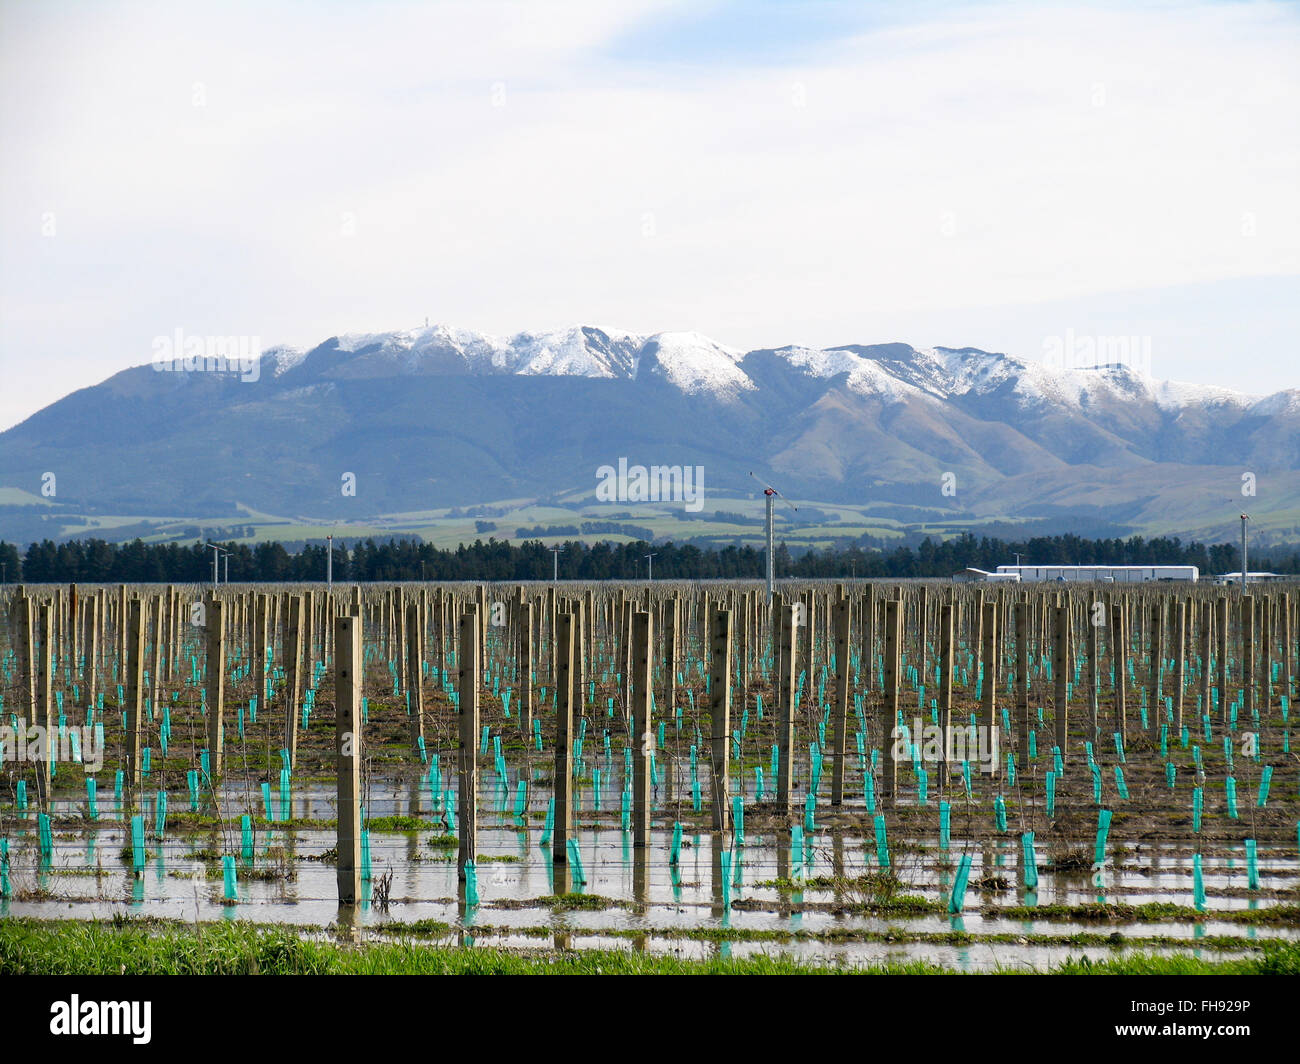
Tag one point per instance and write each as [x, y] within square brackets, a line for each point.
[1122, 840]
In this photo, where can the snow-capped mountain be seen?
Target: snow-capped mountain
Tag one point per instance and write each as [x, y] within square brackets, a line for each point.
[440, 416]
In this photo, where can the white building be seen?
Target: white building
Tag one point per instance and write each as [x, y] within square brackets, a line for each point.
[1104, 574]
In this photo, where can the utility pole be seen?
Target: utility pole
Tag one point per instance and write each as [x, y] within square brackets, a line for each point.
[650, 566]
[555, 557]
[329, 563]
[1244, 519]
[770, 494]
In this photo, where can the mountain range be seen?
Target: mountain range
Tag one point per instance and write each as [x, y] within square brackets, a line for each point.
[438, 417]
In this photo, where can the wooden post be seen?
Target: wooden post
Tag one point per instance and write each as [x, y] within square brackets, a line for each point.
[259, 641]
[563, 650]
[1248, 652]
[720, 714]
[45, 695]
[526, 670]
[292, 660]
[216, 647]
[785, 709]
[1096, 612]
[1118, 646]
[672, 609]
[1061, 674]
[1180, 663]
[88, 672]
[134, 691]
[1223, 660]
[642, 728]
[470, 643]
[989, 654]
[945, 689]
[1157, 667]
[887, 783]
[1022, 679]
[1207, 644]
[347, 746]
[841, 622]
[155, 651]
[414, 642]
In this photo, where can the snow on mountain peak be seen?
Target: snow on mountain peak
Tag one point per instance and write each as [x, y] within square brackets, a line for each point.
[696, 364]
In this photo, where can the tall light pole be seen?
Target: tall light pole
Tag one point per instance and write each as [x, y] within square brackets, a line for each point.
[1017, 557]
[225, 568]
[650, 566]
[770, 494]
[329, 563]
[216, 553]
[555, 571]
[1244, 519]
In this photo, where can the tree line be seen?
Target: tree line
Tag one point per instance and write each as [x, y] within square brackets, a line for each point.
[98, 561]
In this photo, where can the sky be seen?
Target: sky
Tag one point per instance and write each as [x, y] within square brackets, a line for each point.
[1002, 176]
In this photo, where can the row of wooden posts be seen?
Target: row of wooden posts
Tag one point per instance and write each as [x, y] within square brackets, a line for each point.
[554, 632]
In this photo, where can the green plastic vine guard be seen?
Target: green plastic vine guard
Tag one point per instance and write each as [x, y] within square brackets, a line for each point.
[246, 837]
[92, 806]
[869, 791]
[1230, 789]
[1000, 812]
[192, 778]
[160, 815]
[575, 862]
[266, 803]
[1252, 866]
[228, 872]
[1031, 860]
[945, 825]
[1120, 785]
[137, 843]
[285, 795]
[471, 883]
[1033, 743]
[882, 841]
[957, 900]
[1198, 807]
[1050, 783]
[1265, 778]
[758, 783]
[45, 834]
[521, 798]
[738, 818]
[1103, 831]
[922, 787]
[1198, 883]
[675, 849]
[549, 825]
[365, 854]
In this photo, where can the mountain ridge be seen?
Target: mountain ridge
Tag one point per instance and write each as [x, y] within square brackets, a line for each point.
[440, 416]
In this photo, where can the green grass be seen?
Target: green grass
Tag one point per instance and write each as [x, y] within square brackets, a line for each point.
[152, 947]
[396, 823]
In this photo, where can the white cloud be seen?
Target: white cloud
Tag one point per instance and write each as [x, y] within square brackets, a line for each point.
[1067, 150]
